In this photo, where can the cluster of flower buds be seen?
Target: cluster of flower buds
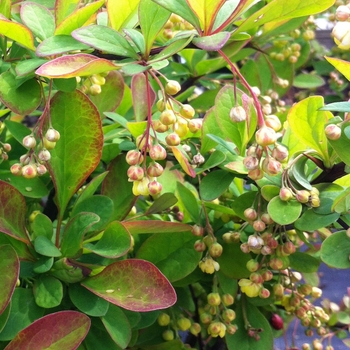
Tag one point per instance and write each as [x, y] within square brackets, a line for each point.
[303, 196]
[32, 163]
[175, 24]
[145, 178]
[284, 50]
[4, 149]
[341, 30]
[92, 85]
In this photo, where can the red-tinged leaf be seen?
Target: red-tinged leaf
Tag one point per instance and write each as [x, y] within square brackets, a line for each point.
[63, 8]
[70, 66]
[117, 187]
[133, 284]
[60, 330]
[78, 18]
[155, 226]
[111, 95]
[206, 11]
[122, 14]
[17, 32]
[9, 267]
[183, 161]
[213, 42]
[140, 96]
[12, 212]
[79, 149]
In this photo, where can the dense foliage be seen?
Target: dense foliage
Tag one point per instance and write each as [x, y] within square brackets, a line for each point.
[158, 185]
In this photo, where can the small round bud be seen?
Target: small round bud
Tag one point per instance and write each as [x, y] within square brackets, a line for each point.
[251, 163]
[52, 135]
[199, 246]
[273, 122]
[214, 299]
[198, 159]
[163, 319]
[302, 196]
[187, 111]
[167, 117]
[256, 277]
[342, 13]
[16, 169]
[228, 299]
[155, 188]
[266, 218]
[250, 214]
[44, 155]
[316, 292]
[41, 169]
[142, 143]
[7, 147]
[155, 170]
[135, 173]
[264, 293]
[228, 315]
[276, 322]
[173, 139]
[285, 194]
[259, 225]
[332, 131]
[271, 166]
[195, 328]
[95, 89]
[98, 79]
[280, 153]
[197, 230]
[238, 114]
[183, 323]
[252, 265]
[265, 136]
[29, 171]
[172, 87]
[134, 157]
[49, 145]
[215, 250]
[157, 152]
[256, 174]
[168, 335]
[195, 125]
[278, 290]
[288, 248]
[29, 141]
[181, 127]
[159, 126]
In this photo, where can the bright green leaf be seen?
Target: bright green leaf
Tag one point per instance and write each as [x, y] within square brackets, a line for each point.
[42, 226]
[165, 201]
[189, 201]
[63, 8]
[283, 212]
[214, 184]
[45, 247]
[335, 250]
[308, 81]
[311, 221]
[303, 262]
[122, 14]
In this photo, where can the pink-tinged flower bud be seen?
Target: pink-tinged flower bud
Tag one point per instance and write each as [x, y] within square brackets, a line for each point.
[155, 170]
[341, 35]
[7, 147]
[245, 248]
[215, 250]
[199, 246]
[173, 139]
[276, 264]
[29, 141]
[267, 109]
[134, 157]
[267, 275]
[29, 171]
[272, 243]
[265, 136]
[271, 166]
[52, 135]
[238, 114]
[155, 188]
[266, 250]
[267, 219]
[231, 329]
[167, 117]
[195, 125]
[342, 13]
[276, 322]
[251, 163]
[256, 277]
[273, 122]
[172, 87]
[159, 126]
[250, 214]
[4, 156]
[302, 196]
[187, 111]
[197, 230]
[255, 242]
[16, 169]
[44, 155]
[41, 169]
[285, 194]
[24, 159]
[288, 248]
[157, 152]
[142, 143]
[135, 173]
[332, 131]
[256, 174]
[280, 153]
[264, 293]
[259, 225]
[198, 159]
[228, 315]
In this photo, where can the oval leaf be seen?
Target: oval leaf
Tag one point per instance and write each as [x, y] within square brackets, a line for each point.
[214, 184]
[70, 66]
[48, 291]
[60, 330]
[9, 267]
[335, 250]
[282, 212]
[213, 42]
[133, 284]
[155, 226]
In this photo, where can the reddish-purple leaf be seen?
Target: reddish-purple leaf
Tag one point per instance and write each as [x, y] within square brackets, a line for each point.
[60, 330]
[9, 269]
[133, 284]
[183, 161]
[79, 149]
[70, 66]
[155, 226]
[12, 212]
[140, 96]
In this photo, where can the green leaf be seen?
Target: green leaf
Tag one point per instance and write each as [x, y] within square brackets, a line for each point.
[117, 187]
[136, 37]
[240, 340]
[21, 248]
[308, 123]
[311, 221]
[17, 32]
[152, 19]
[189, 201]
[48, 291]
[87, 302]
[270, 191]
[303, 262]
[308, 81]
[5, 8]
[155, 226]
[215, 159]
[65, 85]
[171, 49]
[298, 173]
[22, 99]
[122, 14]
[69, 270]
[111, 95]
[283, 212]
[141, 93]
[4, 315]
[342, 145]
[210, 126]
[165, 201]
[43, 264]
[38, 19]
[114, 243]
[233, 268]
[335, 250]
[80, 146]
[9, 267]
[336, 107]
[12, 212]
[75, 65]
[105, 39]
[60, 330]
[147, 290]
[215, 184]
[119, 331]
[63, 8]
[78, 18]
[28, 66]
[42, 226]
[74, 231]
[341, 203]
[213, 42]
[281, 10]
[59, 44]
[243, 202]
[45, 247]
[172, 253]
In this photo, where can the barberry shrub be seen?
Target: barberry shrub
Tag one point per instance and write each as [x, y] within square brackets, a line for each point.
[156, 189]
